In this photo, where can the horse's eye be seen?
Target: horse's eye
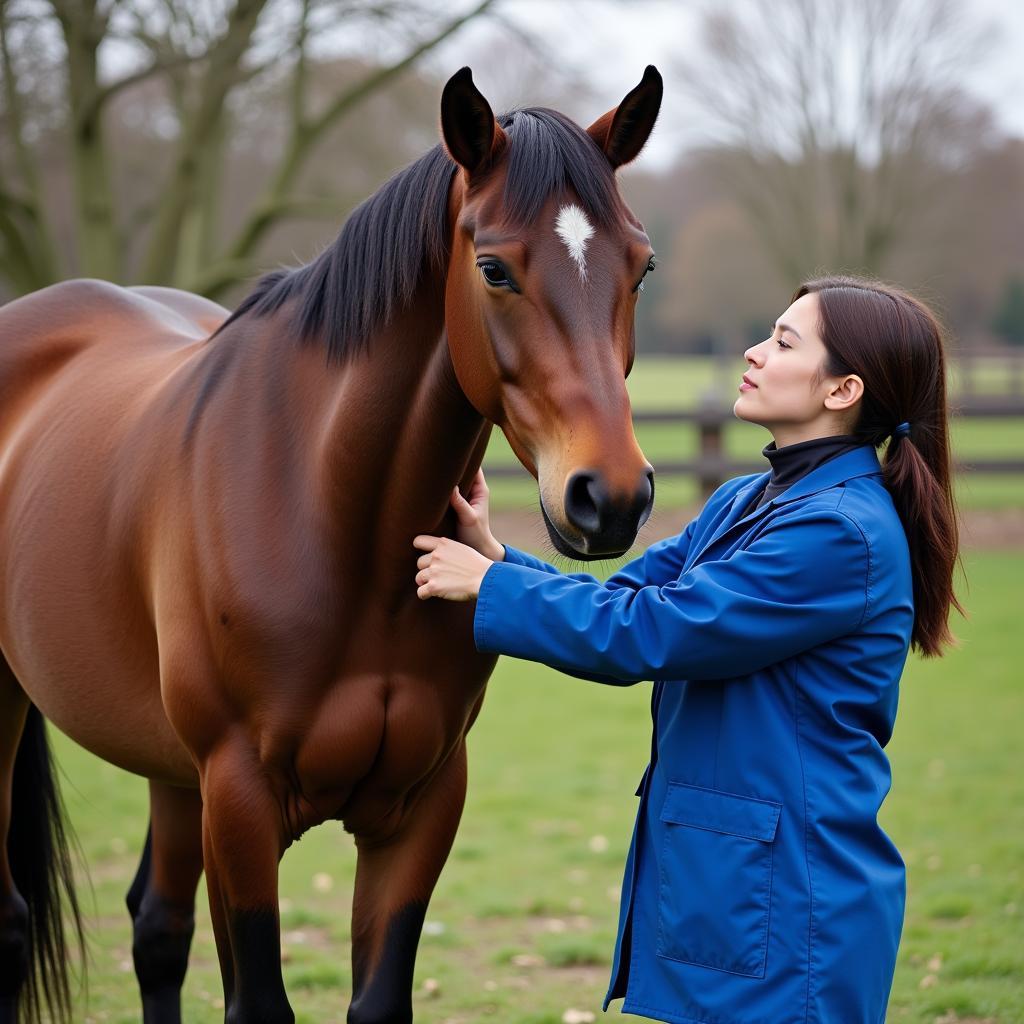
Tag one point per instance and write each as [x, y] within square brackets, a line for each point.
[651, 264]
[495, 274]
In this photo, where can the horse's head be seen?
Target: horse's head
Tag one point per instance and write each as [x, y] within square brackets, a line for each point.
[546, 268]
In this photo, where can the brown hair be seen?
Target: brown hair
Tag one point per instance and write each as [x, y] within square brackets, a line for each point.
[893, 342]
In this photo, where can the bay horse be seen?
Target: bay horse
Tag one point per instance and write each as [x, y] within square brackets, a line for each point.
[206, 524]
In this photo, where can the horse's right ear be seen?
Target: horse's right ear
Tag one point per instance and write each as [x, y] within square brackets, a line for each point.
[471, 134]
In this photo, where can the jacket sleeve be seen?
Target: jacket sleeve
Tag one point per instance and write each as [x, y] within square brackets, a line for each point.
[800, 583]
[662, 562]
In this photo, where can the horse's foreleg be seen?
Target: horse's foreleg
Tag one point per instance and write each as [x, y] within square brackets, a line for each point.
[219, 919]
[394, 881]
[162, 899]
[242, 845]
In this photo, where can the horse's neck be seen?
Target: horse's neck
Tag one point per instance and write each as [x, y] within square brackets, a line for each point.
[400, 434]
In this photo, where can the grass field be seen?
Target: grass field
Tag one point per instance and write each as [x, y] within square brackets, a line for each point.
[682, 384]
[523, 920]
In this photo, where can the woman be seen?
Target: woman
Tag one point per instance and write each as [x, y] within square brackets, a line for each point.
[759, 886]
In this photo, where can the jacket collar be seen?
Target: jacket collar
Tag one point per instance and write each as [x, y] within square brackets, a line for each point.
[860, 462]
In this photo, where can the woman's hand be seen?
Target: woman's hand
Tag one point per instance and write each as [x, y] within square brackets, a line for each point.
[448, 569]
[473, 525]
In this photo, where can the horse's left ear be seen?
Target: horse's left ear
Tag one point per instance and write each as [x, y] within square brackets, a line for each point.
[471, 135]
[622, 132]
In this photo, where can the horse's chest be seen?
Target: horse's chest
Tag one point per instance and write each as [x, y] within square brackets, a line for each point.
[376, 739]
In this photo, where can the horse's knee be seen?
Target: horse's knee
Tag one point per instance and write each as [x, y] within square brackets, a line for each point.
[14, 946]
[160, 946]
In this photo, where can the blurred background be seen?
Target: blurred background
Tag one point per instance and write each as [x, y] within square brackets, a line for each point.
[197, 143]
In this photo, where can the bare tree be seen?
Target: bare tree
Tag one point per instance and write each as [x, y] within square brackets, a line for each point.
[205, 56]
[840, 120]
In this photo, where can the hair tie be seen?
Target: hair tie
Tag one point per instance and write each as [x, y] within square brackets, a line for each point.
[903, 430]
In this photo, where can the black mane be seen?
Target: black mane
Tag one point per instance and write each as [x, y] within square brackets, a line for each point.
[395, 238]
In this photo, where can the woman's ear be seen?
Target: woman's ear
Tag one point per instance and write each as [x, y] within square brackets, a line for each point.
[845, 394]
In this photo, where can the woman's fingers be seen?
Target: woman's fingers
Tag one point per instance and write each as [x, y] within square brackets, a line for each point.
[478, 489]
[424, 560]
[464, 511]
[425, 542]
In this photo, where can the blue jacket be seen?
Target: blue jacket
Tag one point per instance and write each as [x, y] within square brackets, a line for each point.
[759, 887]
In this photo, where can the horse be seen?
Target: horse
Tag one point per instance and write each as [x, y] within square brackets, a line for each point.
[206, 524]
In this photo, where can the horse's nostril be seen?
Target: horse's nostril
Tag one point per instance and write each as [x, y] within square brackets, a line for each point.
[583, 501]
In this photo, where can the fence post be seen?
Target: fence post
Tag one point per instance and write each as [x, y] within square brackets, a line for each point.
[709, 459]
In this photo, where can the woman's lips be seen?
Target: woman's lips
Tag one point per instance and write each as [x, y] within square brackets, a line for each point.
[747, 384]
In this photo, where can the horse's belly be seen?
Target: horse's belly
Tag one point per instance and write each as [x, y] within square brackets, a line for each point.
[110, 709]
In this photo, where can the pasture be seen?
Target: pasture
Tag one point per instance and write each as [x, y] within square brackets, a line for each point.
[522, 923]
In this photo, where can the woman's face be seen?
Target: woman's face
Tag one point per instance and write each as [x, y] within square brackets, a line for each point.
[785, 388]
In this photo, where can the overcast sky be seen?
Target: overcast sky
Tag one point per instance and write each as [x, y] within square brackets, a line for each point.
[611, 42]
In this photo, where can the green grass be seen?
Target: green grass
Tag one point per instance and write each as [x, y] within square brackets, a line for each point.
[681, 384]
[523, 920]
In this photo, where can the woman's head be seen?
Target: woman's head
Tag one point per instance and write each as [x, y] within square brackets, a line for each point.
[786, 387]
[892, 342]
[880, 364]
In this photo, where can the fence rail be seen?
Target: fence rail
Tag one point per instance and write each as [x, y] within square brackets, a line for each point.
[712, 465]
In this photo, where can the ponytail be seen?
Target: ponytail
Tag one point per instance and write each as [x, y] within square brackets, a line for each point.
[893, 343]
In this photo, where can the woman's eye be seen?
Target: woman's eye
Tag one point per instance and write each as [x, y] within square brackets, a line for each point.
[782, 344]
[495, 274]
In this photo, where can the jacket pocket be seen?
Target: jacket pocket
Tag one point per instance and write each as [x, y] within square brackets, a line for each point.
[714, 897]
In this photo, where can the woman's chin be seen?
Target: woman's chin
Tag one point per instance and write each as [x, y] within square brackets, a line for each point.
[742, 411]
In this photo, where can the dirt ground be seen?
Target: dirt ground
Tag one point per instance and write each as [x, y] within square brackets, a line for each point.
[981, 530]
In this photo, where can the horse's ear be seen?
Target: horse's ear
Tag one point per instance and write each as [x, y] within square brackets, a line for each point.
[470, 132]
[622, 132]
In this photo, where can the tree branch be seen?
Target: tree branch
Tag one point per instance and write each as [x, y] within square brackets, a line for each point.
[106, 92]
[305, 136]
[28, 169]
[221, 75]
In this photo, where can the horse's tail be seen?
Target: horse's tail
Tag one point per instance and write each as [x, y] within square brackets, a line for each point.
[38, 851]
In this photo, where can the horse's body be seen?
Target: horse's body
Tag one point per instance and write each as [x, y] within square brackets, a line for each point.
[206, 577]
[322, 616]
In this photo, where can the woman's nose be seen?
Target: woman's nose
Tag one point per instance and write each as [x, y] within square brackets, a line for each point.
[753, 355]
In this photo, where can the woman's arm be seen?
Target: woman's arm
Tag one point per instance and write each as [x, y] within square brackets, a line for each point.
[801, 583]
[661, 563]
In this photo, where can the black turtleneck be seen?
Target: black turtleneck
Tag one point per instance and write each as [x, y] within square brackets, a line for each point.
[795, 461]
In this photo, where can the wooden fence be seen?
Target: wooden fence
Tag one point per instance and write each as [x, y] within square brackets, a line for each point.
[712, 465]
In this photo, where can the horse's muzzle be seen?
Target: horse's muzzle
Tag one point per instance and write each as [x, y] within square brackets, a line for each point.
[606, 525]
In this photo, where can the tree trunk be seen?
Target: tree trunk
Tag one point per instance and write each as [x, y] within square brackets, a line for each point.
[99, 249]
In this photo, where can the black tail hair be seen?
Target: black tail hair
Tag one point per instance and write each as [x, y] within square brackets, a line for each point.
[38, 849]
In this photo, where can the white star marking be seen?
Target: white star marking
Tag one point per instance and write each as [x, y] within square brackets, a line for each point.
[574, 229]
